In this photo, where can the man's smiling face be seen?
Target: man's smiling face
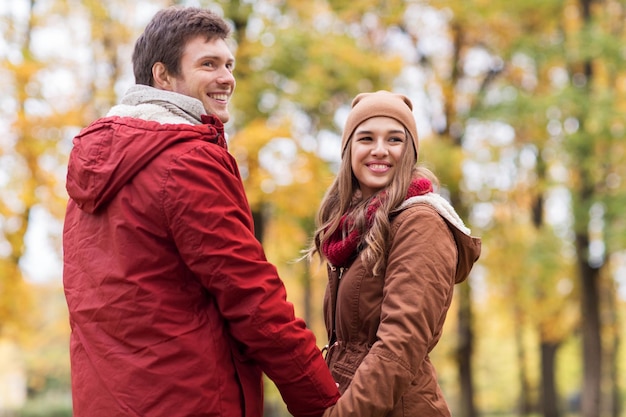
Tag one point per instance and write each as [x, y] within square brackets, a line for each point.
[206, 73]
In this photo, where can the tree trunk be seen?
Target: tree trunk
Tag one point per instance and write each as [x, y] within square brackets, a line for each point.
[464, 351]
[614, 403]
[589, 279]
[259, 218]
[591, 335]
[525, 406]
[549, 395]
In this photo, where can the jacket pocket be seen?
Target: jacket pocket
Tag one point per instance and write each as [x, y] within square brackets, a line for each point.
[343, 374]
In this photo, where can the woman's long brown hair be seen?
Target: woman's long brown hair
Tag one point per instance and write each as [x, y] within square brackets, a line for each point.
[344, 197]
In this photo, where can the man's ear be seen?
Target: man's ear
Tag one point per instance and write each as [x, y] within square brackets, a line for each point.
[162, 78]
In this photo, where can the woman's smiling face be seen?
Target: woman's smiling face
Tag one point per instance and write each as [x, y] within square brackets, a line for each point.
[376, 149]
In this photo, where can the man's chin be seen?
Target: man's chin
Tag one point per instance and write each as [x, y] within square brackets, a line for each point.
[224, 116]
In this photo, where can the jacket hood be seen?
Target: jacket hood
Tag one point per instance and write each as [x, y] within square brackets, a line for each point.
[107, 154]
[469, 247]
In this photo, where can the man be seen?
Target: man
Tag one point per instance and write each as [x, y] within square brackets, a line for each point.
[173, 307]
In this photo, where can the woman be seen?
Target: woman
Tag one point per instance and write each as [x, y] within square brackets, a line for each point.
[394, 250]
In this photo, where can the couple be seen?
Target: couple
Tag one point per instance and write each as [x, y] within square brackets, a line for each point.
[174, 309]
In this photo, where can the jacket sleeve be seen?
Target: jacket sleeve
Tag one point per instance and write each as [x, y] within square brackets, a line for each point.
[210, 220]
[418, 286]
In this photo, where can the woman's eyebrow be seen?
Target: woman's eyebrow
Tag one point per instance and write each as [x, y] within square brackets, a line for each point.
[369, 132]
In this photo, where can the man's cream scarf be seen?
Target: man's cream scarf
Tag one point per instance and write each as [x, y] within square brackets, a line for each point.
[149, 103]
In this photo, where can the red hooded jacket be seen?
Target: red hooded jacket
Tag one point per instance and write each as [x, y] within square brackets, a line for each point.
[173, 307]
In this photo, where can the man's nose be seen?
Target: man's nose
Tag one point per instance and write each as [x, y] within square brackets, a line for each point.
[226, 77]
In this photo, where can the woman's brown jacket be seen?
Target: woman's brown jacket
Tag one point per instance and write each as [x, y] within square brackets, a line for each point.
[381, 329]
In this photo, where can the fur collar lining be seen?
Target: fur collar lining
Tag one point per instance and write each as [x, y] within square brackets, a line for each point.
[443, 207]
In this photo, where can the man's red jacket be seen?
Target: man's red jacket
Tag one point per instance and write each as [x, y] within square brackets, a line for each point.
[173, 307]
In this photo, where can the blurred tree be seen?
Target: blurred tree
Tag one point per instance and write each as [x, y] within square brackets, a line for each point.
[596, 67]
[566, 70]
[537, 298]
[111, 36]
[21, 150]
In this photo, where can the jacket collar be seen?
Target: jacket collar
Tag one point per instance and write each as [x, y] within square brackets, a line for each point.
[469, 247]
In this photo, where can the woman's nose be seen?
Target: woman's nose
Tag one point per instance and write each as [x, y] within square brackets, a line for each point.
[380, 147]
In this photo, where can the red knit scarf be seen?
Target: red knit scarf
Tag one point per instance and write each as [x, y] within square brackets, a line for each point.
[342, 251]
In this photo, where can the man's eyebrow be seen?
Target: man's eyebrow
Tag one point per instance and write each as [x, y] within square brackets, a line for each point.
[215, 58]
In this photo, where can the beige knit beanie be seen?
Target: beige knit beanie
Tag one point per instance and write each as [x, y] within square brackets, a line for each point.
[380, 103]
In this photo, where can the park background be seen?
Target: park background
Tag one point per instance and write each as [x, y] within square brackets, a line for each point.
[521, 110]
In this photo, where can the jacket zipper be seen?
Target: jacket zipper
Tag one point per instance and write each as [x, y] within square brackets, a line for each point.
[333, 336]
[341, 271]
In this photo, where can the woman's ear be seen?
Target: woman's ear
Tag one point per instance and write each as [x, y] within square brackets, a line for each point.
[162, 78]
